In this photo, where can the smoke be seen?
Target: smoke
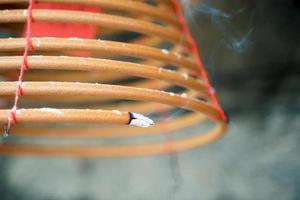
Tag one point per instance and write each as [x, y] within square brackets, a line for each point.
[228, 26]
[224, 22]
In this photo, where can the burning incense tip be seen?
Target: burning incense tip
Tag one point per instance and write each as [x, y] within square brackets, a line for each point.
[140, 120]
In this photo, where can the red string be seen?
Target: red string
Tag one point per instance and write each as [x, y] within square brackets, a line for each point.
[195, 52]
[24, 66]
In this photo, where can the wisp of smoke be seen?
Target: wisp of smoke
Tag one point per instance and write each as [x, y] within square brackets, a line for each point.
[231, 36]
[222, 21]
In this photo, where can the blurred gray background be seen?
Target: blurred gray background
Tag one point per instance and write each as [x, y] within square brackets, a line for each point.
[252, 52]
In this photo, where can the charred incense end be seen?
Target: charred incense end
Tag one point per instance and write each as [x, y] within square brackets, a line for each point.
[139, 120]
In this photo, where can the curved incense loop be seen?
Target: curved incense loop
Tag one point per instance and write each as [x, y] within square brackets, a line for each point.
[140, 67]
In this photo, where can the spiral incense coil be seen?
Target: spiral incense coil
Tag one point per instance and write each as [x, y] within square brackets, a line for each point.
[141, 62]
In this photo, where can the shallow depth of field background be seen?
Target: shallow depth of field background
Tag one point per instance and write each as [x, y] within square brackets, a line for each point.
[252, 52]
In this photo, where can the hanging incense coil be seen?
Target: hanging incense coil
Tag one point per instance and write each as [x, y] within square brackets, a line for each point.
[141, 62]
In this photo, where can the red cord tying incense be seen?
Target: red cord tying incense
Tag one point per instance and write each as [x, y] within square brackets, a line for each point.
[24, 66]
[195, 52]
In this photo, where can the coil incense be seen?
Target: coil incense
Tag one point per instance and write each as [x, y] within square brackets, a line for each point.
[146, 61]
